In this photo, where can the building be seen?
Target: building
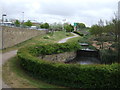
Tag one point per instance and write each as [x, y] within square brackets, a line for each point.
[6, 23]
[119, 10]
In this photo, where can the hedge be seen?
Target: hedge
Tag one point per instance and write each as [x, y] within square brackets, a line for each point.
[79, 33]
[68, 75]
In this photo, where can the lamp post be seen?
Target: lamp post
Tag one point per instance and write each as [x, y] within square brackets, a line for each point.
[63, 23]
[23, 16]
[2, 29]
[22, 20]
[3, 17]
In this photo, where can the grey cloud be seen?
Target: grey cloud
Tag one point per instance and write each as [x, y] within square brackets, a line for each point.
[88, 11]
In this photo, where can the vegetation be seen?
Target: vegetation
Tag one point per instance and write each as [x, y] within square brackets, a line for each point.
[68, 27]
[74, 75]
[56, 27]
[70, 75]
[16, 77]
[53, 48]
[109, 56]
[17, 23]
[79, 33]
[41, 39]
[110, 34]
[28, 23]
[45, 25]
[81, 26]
[19, 78]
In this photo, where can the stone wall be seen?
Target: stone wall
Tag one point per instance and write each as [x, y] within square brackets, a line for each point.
[0, 37]
[62, 57]
[14, 35]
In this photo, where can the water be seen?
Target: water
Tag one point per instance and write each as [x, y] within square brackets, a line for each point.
[85, 60]
[87, 49]
[84, 44]
[88, 56]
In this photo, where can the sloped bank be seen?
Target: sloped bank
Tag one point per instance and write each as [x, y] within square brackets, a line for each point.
[70, 75]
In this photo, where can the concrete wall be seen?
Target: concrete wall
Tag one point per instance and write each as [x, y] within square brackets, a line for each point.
[62, 57]
[13, 35]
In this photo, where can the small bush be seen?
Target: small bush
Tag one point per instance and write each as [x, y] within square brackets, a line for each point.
[46, 37]
[68, 34]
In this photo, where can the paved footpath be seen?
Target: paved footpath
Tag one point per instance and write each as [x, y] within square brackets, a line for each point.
[65, 39]
[6, 56]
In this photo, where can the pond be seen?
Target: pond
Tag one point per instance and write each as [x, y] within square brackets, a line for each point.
[85, 60]
[86, 55]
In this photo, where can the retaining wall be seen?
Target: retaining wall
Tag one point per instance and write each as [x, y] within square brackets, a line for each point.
[62, 57]
[13, 35]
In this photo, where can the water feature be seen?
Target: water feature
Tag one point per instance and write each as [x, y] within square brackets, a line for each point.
[86, 55]
[85, 60]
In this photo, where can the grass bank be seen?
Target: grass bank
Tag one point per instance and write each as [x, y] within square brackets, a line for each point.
[41, 39]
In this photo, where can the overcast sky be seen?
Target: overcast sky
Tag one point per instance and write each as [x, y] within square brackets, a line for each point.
[85, 11]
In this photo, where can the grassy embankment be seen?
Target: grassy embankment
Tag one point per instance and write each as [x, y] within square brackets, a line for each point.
[41, 39]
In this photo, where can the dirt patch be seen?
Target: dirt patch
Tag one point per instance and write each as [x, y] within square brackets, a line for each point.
[106, 45]
[13, 80]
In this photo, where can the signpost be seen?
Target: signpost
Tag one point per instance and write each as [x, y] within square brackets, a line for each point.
[75, 26]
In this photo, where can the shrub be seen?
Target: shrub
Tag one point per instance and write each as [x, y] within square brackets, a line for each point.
[68, 34]
[53, 48]
[46, 37]
[69, 75]
[109, 56]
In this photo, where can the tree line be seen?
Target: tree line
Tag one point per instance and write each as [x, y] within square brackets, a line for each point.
[55, 26]
[108, 32]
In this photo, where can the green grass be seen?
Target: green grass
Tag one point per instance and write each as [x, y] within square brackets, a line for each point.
[74, 39]
[58, 35]
[14, 76]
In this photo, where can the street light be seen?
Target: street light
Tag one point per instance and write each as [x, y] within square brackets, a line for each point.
[23, 16]
[3, 17]
[2, 29]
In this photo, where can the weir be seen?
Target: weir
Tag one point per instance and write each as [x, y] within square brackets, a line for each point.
[86, 56]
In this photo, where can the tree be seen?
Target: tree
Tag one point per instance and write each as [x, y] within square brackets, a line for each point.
[28, 23]
[116, 26]
[45, 25]
[95, 30]
[17, 23]
[56, 27]
[68, 27]
[81, 25]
